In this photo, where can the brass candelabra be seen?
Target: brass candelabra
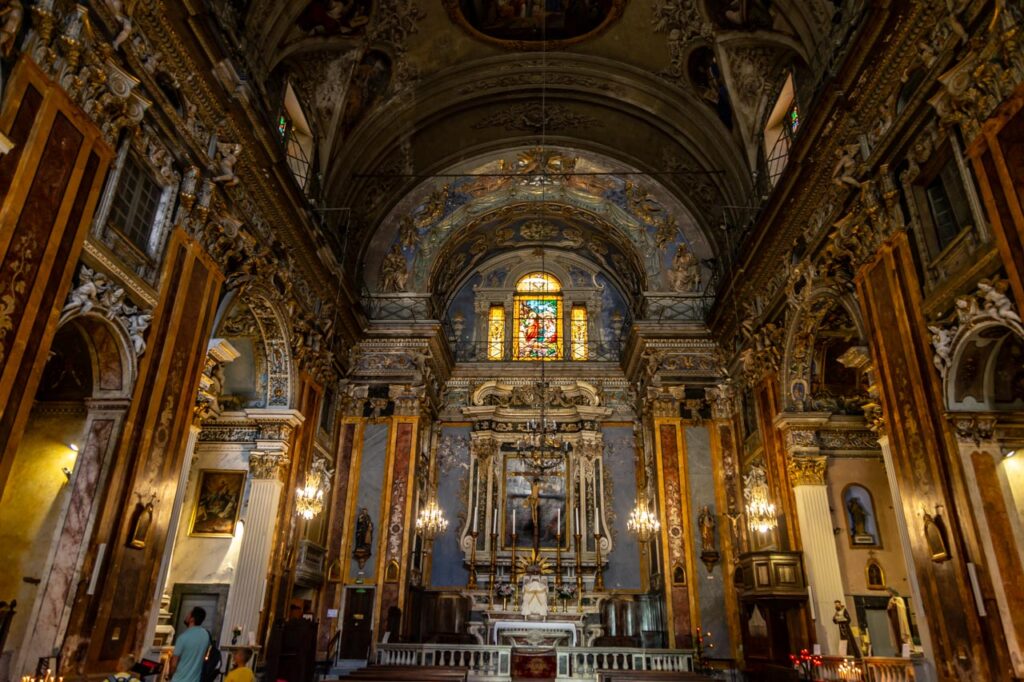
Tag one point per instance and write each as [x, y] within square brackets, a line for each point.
[579, 572]
[471, 583]
[598, 571]
[512, 570]
[494, 566]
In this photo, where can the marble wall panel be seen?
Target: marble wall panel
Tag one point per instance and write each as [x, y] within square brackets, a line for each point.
[370, 491]
[447, 568]
[623, 569]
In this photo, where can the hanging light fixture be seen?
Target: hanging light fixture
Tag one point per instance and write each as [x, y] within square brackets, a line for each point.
[761, 516]
[309, 499]
[642, 521]
[431, 521]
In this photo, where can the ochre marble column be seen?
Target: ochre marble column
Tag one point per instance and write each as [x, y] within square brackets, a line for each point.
[111, 620]
[678, 564]
[999, 525]
[49, 183]
[929, 476]
[821, 558]
[396, 531]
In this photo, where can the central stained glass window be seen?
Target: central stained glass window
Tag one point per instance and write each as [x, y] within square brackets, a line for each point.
[537, 321]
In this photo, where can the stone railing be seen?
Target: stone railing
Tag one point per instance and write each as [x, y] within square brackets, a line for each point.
[579, 663]
[868, 669]
[494, 662]
[483, 662]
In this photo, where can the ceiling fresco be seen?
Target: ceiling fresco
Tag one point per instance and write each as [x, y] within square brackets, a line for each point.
[522, 24]
[530, 198]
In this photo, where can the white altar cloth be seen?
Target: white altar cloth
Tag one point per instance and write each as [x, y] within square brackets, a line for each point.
[498, 625]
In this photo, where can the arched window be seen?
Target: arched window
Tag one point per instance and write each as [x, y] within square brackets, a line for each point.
[537, 318]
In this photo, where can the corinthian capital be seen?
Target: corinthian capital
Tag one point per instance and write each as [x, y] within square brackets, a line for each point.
[267, 465]
[807, 470]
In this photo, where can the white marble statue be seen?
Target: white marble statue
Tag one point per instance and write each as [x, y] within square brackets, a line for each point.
[535, 598]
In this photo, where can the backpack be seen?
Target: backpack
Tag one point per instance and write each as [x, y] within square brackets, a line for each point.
[211, 662]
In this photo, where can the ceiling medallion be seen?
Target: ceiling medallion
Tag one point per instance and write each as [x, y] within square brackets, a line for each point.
[525, 24]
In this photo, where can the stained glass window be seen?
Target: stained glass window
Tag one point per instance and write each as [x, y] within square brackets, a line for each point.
[282, 126]
[794, 119]
[537, 318]
[578, 333]
[496, 333]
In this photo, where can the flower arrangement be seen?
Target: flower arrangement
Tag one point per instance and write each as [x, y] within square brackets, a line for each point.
[236, 632]
[505, 590]
[805, 662]
[566, 591]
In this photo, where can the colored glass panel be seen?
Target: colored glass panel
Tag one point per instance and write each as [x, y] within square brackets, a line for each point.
[538, 283]
[794, 119]
[578, 333]
[538, 328]
[496, 333]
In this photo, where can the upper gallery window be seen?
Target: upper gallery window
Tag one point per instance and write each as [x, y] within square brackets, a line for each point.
[780, 130]
[578, 333]
[947, 204]
[297, 138]
[496, 333]
[537, 318]
[136, 202]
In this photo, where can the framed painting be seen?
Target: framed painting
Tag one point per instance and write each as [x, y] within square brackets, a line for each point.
[538, 500]
[218, 502]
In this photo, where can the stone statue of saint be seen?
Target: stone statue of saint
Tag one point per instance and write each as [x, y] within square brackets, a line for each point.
[706, 522]
[364, 537]
[899, 624]
[842, 618]
[858, 516]
[535, 598]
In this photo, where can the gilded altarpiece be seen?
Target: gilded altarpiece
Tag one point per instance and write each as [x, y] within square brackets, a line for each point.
[889, 292]
[50, 183]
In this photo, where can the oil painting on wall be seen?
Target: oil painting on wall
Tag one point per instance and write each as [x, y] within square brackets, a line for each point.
[218, 502]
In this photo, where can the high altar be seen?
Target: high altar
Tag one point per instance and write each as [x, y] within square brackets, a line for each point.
[535, 538]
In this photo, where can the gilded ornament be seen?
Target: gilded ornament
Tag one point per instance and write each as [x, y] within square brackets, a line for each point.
[807, 470]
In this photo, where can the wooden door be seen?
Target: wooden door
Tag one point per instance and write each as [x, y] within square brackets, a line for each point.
[357, 626]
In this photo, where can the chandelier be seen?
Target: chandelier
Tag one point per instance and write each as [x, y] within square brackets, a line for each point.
[642, 521]
[431, 521]
[309, 499]
[761, 517]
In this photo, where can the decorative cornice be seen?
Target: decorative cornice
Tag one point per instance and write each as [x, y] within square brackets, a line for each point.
[807, 470]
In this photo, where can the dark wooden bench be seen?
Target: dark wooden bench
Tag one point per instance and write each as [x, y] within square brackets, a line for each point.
[400, 673]
[646, 675]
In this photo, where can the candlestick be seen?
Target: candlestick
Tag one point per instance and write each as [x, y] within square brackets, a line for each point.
[512, 570]
[579, 569]
[494, 560]
[576, 518]
[471, 583]
[494, 525]
[558, 521]
[476, 513]
[598, 571]
[597, 528]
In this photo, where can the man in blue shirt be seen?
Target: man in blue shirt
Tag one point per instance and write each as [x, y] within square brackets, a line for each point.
[190, 649]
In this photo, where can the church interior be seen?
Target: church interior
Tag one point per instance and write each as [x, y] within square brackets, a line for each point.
[493, 340]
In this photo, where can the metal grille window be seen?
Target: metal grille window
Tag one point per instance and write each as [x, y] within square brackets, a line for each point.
[135, 204]
[298, 161]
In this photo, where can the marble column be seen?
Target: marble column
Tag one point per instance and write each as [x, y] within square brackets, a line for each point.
[821, 558]
[268, 464]
[998, 525]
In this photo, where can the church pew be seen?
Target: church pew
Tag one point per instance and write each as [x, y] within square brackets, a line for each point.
[399, 673]
[647, 675]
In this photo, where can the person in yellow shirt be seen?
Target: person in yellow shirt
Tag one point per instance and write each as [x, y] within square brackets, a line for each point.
[241, 672]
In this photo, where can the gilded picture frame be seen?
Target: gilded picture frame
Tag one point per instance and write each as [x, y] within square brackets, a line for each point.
[217, 504]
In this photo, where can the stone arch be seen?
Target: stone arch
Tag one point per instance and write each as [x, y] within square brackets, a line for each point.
[986, 371]
[264, 375]
[64, 458]
[802, 333]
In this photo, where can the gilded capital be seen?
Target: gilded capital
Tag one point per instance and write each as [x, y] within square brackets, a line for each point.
[267, 465]
[807, 470]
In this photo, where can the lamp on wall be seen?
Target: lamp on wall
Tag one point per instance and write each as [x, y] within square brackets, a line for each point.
[431, 521]
[309, 499]
[761, 516]
[642, 521]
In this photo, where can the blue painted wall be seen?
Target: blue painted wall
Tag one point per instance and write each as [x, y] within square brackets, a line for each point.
[710, 588]
[623, 569]
[371, 483]
[447, 569]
